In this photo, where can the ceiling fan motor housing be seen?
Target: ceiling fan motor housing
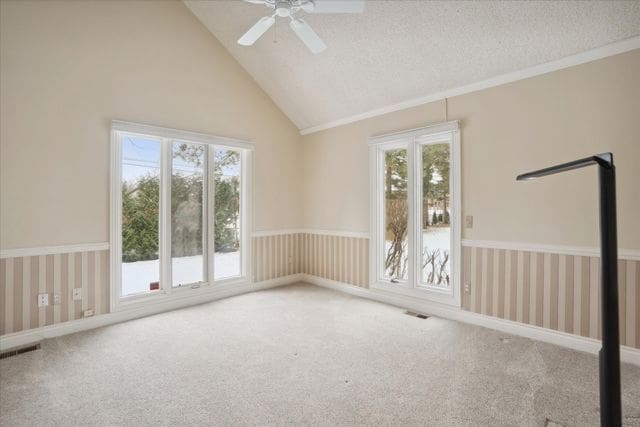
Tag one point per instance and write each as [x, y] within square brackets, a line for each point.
[283, 8]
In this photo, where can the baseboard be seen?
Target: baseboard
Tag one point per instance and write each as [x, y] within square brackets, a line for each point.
[31, 336]
[575, 342]
[589, 345]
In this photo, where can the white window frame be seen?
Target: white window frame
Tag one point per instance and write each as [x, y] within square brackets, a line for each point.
[413, 140]
[167, 292]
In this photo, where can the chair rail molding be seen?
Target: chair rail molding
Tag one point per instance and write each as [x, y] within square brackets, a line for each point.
[52, 250]
[630, 254]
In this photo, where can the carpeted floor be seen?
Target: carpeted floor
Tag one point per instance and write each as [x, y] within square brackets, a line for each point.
[302, 355]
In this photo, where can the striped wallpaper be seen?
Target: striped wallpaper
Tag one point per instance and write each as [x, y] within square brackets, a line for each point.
[339, 258]
[554, 291]
[23, 278]
[277, 256]
[550, 290]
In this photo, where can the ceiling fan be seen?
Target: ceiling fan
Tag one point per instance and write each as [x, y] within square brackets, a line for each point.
[289, 9]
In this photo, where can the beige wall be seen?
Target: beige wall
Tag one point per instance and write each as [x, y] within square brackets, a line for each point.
[506, 130]
[68, 68]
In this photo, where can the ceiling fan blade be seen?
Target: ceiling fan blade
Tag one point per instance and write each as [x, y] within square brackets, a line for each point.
[307, 35]
[255, 32]
[334, 6]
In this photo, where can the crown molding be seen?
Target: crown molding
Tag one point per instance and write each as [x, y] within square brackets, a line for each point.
[536, 70]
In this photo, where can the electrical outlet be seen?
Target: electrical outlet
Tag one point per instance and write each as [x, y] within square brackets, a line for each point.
[467, 288]
[77, 294]
[43, 300]
[57, 299]
[87, 313]
[468, 221]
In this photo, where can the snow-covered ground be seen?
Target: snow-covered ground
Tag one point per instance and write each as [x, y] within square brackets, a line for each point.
[136, 276]
[434, 238]
[437, 238]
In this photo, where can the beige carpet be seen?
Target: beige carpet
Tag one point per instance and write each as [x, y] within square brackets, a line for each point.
[302, 355]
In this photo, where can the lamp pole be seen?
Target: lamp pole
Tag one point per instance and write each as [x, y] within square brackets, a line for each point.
[610, 405]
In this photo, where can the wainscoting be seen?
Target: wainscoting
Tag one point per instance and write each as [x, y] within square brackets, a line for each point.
[58, 271]
[557, 291]
[277, 255]
[22, 278]
[340, 258]
[550, 290]
[335, 257]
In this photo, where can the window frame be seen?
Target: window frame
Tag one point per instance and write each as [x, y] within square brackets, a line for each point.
[167, 291]
[414, 140]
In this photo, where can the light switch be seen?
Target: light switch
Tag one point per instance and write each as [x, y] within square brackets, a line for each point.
[77, 294]
[468, 221]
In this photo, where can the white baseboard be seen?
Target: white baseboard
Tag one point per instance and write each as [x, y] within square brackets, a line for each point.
[575, 342]
[31, 336]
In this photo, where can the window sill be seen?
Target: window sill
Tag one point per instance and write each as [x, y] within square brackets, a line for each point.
[443, 296]
[183, 295]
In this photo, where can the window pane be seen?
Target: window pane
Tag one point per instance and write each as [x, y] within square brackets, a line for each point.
[140, 212]
[227, 213]
[396, 215]
[187, 177]
[436, 224]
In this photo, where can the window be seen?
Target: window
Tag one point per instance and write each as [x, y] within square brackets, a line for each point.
[415, 213]
[180, 205]
[435, 214]
[188, 238]
[227, 200]
[396, 215]
[140, 188]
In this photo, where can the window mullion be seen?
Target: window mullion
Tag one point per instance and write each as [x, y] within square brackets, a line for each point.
[116, 220]
[380, 250]
[411, 204]
[416, 224]
[210, 204]
[245, 239]
[165, 216]
[205, 216]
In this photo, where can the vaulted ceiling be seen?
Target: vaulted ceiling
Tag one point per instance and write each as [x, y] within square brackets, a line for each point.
[401, 50]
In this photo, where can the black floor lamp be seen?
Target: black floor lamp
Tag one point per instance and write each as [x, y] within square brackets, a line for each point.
[610, 406]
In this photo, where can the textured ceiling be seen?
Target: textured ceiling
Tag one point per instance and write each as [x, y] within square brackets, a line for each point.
[401, 50]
